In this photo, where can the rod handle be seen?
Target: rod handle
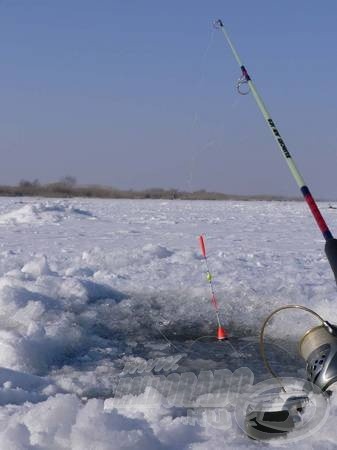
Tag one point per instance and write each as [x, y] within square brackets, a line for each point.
[331, 254]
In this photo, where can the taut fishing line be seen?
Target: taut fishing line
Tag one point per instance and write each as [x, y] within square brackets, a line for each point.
[209, 145]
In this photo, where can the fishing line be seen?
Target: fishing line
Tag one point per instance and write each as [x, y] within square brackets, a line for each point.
[196, 115]
[245, 80]
[167, 339]
[226, 341]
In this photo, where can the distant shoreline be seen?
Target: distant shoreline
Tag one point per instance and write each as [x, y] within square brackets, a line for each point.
[68, 190]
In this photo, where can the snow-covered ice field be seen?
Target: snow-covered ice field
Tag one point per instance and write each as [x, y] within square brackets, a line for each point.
[89, 287]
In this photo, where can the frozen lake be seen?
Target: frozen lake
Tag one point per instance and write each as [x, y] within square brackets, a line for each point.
[89, 287]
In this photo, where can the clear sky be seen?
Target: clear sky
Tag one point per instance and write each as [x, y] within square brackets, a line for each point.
[138, 94]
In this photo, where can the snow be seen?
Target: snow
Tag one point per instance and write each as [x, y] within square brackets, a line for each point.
[43, 212]
[92, 288]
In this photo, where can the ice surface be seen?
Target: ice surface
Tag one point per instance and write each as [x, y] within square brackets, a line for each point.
[82, 299]
[42, 212]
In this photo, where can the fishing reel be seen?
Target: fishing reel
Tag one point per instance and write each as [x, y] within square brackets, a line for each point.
[318, 348]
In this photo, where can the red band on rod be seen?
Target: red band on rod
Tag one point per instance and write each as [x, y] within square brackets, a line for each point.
[316, 213]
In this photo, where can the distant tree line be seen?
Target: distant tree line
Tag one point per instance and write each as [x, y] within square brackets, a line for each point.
[68, 187]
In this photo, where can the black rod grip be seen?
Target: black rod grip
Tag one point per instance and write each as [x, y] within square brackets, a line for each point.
[331, 253]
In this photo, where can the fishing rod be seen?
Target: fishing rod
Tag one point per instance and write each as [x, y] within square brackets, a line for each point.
[245, 79]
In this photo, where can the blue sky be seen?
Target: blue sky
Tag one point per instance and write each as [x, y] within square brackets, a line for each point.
[142, 94]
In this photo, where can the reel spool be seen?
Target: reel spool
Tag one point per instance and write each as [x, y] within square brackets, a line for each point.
[318, 347]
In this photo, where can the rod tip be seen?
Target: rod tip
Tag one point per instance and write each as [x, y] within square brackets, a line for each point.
[218, 23]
